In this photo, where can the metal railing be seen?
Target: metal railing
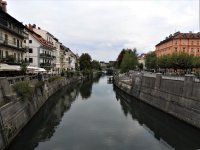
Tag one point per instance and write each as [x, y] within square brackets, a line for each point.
[47, 56]
[13, 44]
[13, 80]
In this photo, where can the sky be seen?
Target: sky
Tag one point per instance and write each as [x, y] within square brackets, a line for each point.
[103, 28]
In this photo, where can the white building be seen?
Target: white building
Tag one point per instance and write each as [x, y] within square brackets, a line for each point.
[71, 60]
[41, 53]
[65, 58]
[141, 59]
[54, 42]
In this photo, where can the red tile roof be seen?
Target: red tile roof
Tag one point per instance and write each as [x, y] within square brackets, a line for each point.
[179, 35]
[39, 38]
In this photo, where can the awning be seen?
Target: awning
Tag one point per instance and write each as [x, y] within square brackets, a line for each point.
[6, 67]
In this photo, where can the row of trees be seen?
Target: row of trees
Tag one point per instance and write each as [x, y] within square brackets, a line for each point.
[86, 63]
[174, 61]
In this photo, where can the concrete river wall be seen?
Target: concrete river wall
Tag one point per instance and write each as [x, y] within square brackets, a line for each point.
[15, 113]
[179, 97]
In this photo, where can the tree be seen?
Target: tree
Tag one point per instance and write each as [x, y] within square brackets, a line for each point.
[23, 67]
[129, 61]
[151, 60]
[96, 65]
[85, 62]
[119, 58]
[164, 62]
[196, 62]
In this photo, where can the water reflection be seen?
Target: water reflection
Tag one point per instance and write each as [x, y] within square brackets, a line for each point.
[172, 132]
[43, 125]
[86, 87]
[99, 124]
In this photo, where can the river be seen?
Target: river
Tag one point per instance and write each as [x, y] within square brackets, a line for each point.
[95, 115]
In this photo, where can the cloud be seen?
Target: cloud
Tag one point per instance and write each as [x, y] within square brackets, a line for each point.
[103, 28]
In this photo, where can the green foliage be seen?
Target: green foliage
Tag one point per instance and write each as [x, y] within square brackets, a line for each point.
[119, 58]
[23, 89]
[85, 62]
[196, 62]
[54, 78]
[177, 61]
[164, 62]
[129, 61]
[23, 67]
[96, 65]
[151, 60]
[40, 85]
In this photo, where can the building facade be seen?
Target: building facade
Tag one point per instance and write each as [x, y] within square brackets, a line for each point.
[141, 60]
[40, 52]
[65, 59]
[179, 42]
[12, 35]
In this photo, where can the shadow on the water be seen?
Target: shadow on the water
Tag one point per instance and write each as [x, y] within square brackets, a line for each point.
[86, 87]
[174, 133]
[43, 125]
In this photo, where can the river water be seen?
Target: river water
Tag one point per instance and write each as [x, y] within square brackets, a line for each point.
[97, 116]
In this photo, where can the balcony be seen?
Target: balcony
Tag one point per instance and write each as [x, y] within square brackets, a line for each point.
[47, 66]
[11, 44]
[14, 30]
[10, 60]
[47, 56]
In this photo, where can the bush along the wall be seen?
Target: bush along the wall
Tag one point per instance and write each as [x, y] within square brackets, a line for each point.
[23, 89]
[54, 78]
[40, 85]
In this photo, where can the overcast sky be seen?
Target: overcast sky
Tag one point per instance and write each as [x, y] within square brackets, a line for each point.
[103, 28]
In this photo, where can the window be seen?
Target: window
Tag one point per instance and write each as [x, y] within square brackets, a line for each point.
[30, 41]
[6, 53]
[24, 41]
[197, 49]
[15, 56]
[17, 43]
[14, 41]
[25, 59]
[192, 43]
[1, 53]
[18, 57]
[30, 60]
[30, 50]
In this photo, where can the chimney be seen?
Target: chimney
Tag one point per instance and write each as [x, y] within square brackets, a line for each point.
[0, 4]
[3, 5]
[30, 27]
[34, 25]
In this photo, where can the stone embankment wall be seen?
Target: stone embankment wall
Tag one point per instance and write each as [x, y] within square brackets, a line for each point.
[178, 97]
[16, 113]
